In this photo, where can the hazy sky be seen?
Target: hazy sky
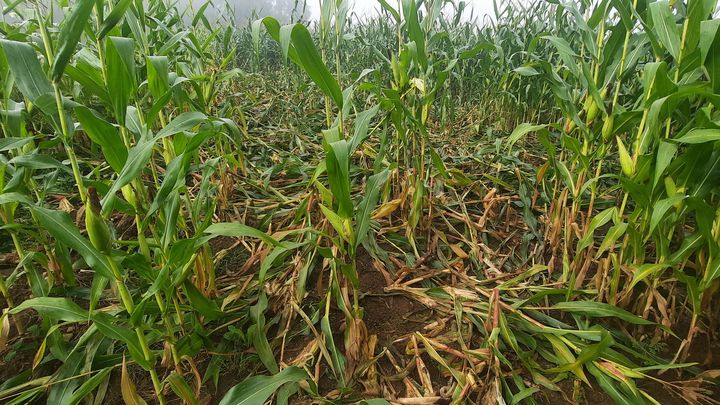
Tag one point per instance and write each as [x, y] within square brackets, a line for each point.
[282, 9]
[361, 7]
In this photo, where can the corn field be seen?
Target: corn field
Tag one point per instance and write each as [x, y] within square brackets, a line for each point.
[420, 206]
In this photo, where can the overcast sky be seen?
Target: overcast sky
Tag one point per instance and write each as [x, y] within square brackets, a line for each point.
[365, 7]
[282, 9]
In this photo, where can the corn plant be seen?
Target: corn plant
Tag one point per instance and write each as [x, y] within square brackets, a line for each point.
[638, 122]
[169, 254]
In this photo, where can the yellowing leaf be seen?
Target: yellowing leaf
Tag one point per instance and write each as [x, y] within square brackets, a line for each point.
[387, 208]
[127, 388]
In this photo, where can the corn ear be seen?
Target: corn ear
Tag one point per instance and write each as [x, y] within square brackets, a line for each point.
[608, 126]
[97, 228]
[626, 162]
[592, 111]
[569, 125]
[129, 195]
[670, 187]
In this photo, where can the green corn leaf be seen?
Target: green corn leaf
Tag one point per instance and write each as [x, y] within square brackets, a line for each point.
[526, 71]
[121, 76]
[60, 226]
[689, 245]
[665, 154]
[29, 394]
[113, 327]
[665, 27]
[207, 307]
[415, 32]
[313, 65]
[37, 162]
[611, 386]
[91, 82]
[12, 115]
[438, 163]
[566, 176]
[457, 375]
[69, 36]
[256, 390]
[479, 47]
[171, 43]
[696, 136]
[183, 122]
[362, 122]
[589, 353]
[258, 335]
[705, 175]
[175, 173]
[104, 134]
[60, 392]
[520, 131]
[387, 7]
[565, 357]
[600, 310]
[160, 282]
[137, 160]
[158, 76]
[696, 13]
[13, 6]
[646, 270]
[598, 220]
[62, 309]
[182, 389]
[656, 82]
[612, 235]
[277, 252]
[99, 283]
[367, 205]
[9, 143]
[117, 12]
[200, 16]
[29, 75]
[338, 360]
[416, 209]
[302, 52]
[660, 209]
[337, 159]
[238, 230]
[374, 401]
[89, 386]
[712, 273]
[624, 9]
[691, 283]
[9, 198]
[567, 55]
[710, 47]
[338, 223]
[255, 35]
[285, 35]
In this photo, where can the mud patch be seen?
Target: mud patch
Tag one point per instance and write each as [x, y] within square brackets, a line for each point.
[393, 317]
[389, 316]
